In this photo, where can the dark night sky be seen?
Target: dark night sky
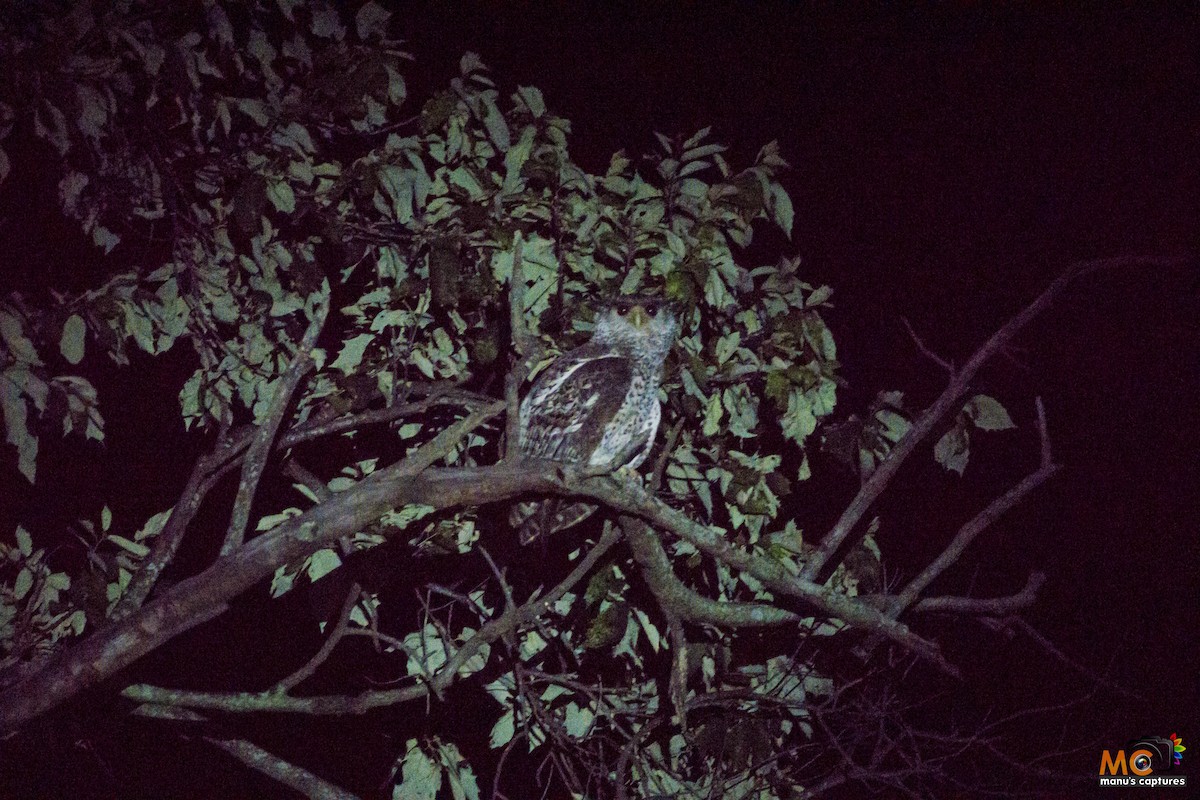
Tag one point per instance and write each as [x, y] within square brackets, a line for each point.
[947, 165]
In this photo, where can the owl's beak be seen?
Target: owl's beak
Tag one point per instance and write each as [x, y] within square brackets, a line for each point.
[639, 317]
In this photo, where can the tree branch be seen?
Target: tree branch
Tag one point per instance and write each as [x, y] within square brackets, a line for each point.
[985, 606]
[255, 757]
[681, 600]
[632, 499]
[205, 595]
[958, 386]
[255, 460]
[981, 522]
[168, 540]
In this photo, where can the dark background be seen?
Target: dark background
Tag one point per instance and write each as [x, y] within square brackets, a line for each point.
[948, 163]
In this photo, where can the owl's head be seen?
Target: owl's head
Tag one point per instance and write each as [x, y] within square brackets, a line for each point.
[644, 327]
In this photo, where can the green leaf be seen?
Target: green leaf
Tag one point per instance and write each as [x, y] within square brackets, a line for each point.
[12, 403]
[22, 584]
[987, 414]
[371, 20]
[24, 542]
[136, 549]
[323, 562]
[12, 332]
[502, 731]
[421, 778]
[280, 194]
[953, 449]
[351, 354]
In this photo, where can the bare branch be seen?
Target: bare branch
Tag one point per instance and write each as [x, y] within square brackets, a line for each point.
[925, 351]
[322, 655]
[986, 606]
[255, 757]
[255, 460]
[981, 522]
[954, 391]
[285, 772]
[168, 540]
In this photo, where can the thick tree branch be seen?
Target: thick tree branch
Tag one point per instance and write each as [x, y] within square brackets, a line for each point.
[682, 601]
[255, 460]
[958, 386]
[205, 595]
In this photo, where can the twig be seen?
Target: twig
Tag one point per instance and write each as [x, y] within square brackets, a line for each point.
[981, 521]
[255, 460]
[925, 351]
[507, 623]
[958, 386]
[335, 635]
[986, 606]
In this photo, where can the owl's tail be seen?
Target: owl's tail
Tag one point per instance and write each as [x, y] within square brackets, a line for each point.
[547, 516]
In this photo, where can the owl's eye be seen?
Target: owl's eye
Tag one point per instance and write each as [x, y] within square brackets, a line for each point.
[621, 311]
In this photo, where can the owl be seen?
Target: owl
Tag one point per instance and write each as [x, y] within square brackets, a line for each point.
[597, 405]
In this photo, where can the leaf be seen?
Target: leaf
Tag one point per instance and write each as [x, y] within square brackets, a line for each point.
[421, 778]
[105, 518]
[531, 96]
[23, 584]
[24, 542]
[281, 196]
[987, 414]
[502, 731]
[351, 354]
[12, 332]
[578, 720]
[323, 562]
[371, 20]
[136, 549]
[782, 208]
[12, 403]
[953, 449]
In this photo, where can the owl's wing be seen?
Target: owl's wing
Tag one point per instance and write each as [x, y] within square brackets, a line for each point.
[565, 414]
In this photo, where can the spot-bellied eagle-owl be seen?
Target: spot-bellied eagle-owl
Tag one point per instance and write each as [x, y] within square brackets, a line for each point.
[597, 405]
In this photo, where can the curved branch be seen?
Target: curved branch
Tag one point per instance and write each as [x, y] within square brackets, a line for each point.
[981, 521]
[634, 500]
[986, 606]
[205, 595]
[687, 604]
